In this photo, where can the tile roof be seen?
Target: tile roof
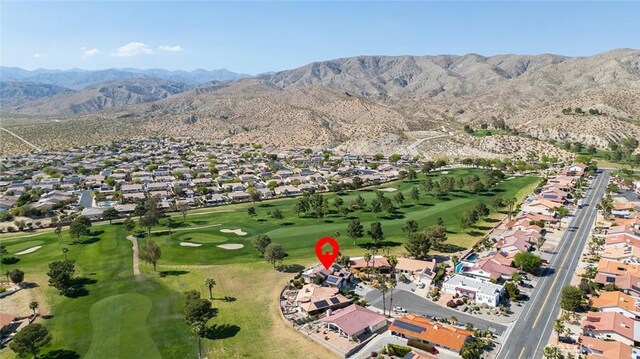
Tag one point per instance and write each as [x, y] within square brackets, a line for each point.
[616, 299]
[353, 319]
[609, 349]
[414, 326]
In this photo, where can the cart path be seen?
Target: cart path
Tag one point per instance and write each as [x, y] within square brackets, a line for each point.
[136, 259]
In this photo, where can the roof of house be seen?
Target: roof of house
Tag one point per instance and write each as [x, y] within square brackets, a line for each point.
[609, 349]
[615, 299]
[609, 322]
[5, 319]
[414, 326]
[414, 265]
[376, 262]
[618, 268]
[353, 319]
[480, 286]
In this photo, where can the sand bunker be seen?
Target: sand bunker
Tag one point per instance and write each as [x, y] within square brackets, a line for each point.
[189, 244]
[390, 189]
[30, 250]
[235, 231]
[445, 172]
[231, 246]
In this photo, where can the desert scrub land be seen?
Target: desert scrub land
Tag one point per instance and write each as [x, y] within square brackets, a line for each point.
[98, 322]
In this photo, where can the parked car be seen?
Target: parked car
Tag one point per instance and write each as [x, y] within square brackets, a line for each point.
[420, 285]
[566, 340]
[399, 310]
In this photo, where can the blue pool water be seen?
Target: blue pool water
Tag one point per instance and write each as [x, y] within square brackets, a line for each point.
[472, 258]
[459, 267]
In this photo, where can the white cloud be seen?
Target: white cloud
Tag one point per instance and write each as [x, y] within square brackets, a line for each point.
[87, 52]
[39, 55]
[132, 49]
[176, 48]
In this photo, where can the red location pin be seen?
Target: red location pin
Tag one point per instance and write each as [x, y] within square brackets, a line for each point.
[327, 258]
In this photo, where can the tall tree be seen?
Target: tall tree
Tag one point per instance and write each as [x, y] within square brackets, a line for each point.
[30, 340]
[210, 282]
[301, 206]
[399, 198]
[80, 227]
[376, 234]
[61, 276]
[274, 253]
[510, 203]
[150, 252]
[418, 245]
[410, 226]
[260, 243]
[33, 305]
[169, 224]
[414, 194]
[58, 232]
[355, 230]
[16, 276]
[382, 284]
[251, 211]
[183, 208]
[110, 214]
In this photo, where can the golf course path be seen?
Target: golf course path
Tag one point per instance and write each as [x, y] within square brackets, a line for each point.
[136, 260]
[187, 228]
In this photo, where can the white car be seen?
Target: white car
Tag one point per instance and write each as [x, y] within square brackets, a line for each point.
[399, 310]
[421, 285]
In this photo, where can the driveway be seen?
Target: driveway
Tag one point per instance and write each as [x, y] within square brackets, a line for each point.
[415, 304]
[86, 199]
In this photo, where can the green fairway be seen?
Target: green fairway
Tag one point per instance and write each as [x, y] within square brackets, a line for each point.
[126, 317]
[115, 321]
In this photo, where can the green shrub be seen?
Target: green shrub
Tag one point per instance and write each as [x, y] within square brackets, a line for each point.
[2, 289]
[398, 350]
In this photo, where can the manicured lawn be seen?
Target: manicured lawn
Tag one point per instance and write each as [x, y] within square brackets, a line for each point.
[126, 317]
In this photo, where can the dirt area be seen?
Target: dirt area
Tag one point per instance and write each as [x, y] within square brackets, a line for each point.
[18, 302]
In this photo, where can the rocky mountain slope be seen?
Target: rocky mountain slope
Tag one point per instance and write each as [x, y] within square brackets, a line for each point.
[379, 101]
[104, 96]
[77, 79]
[15, 93]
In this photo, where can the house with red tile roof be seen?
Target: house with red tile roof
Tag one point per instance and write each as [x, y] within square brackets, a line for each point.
[355, 321]
[611, 326]
[489, 268]
[604, 349]
[426, 331]
[617, 302]
[629, 284]
[314, 299]
[380, 263]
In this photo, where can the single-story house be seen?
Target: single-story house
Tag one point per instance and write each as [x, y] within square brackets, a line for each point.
[422, 329]
[617, 302]
[595, 348]
[354, 321]
[611, 326]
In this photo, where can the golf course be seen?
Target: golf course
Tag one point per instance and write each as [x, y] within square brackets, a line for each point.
[117, 314]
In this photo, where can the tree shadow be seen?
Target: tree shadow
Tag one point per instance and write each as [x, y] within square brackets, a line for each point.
[29, 285]
[87, 240]
[261, 220]
[393, 216]
[97, 233]
[370, 245]
[425, 204]
[10, 260]
[287, 224]
[200, 222]
[226, 298]
[166, 273]
[475, 233]
[290, 268]
[60, 354]
[449, 248]
[491, 220]
[483, 228]
[265, 205]
[78, 287]
[221, 331]
[328, 221]
[498, 190]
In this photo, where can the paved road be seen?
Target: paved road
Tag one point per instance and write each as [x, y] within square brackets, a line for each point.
[530, 334]
[415, 304]
[22, 139]
[411, 149]
[86, 199]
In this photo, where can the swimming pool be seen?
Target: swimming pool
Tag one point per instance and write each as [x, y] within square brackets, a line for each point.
[459, 267]
[472, 258]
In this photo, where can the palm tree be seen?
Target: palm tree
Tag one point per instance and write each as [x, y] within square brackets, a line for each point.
[559, 327]
[511, 202]
[551, 352]
[367, 258]
[453, 320]
[58, 232]
[393, 262]
[210, 282]
[382, 285]
[64, 251]
[33, 306]
[169, 224]
[7, 273]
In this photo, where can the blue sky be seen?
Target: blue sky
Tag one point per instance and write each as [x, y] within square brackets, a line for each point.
[257, 37]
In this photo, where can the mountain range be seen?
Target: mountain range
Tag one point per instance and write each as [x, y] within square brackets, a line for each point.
[359, 102]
